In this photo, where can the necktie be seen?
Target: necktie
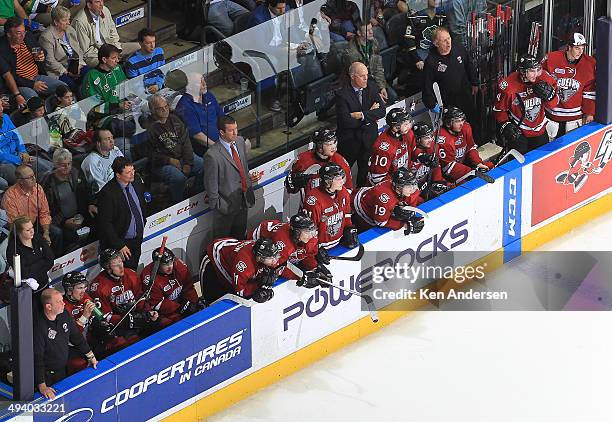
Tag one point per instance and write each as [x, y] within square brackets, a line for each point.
[240, 168]
[360, 96]
[135, 211]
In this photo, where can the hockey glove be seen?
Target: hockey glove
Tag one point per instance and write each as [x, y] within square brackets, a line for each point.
[296, 181]
[267, 277]
[138, 320]
[510, 132]
[322, 257]
[263, 294]
[188, 308]
[123, 308]
[428, 160]
[414, 225]
[544, 91]
[308, 280]
[101, 330]
[438, 188]
[349, 238]
[401, 213]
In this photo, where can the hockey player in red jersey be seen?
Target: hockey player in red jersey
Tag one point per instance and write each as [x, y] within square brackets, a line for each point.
[304, 172]
[424, 161]
[392, 148]
[246, 268]
[382, 205]
[456, 147]
[519, 108]
[575, 75]
[117, 288]
[172, 295]
[329, 206]
[297, 241]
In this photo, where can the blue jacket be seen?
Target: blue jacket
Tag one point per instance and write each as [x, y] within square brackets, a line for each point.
[11, 144]
[262, 14]
[139, 64]
[200, 117]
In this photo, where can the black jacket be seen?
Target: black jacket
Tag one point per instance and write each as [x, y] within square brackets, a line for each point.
[114, 213]
[79, 188]
[35, 262]
[9, 59]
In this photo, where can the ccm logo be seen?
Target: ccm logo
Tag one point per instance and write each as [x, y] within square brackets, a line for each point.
[512, 206]
[62, 265]
[187, 207]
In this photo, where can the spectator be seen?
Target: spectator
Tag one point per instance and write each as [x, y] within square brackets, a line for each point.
[200, 110]
[10, 9]
[54, 330]
[64, 54]
[97, 166]
[458, 13]
[364, 48]
[146, 61]
[36, 257]
[345, 18]
[95, 27]
[269, 10]
[121, 215]
[35, 109]
[358, 108]
[223, 13]
[18, 49]
[67, 195]
[172, 158]
[40, 11]
[229, 190]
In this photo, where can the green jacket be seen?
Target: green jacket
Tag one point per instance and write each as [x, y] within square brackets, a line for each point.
[104, 86]
[370, 57]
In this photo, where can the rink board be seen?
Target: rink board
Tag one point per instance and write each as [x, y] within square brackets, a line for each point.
[219, 356]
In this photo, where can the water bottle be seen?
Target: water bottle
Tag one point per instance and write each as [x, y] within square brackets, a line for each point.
[55, 137]
[97, 313]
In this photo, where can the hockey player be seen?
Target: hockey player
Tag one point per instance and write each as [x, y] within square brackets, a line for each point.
[246, 268]
[117, 288]
[392, 148]
[456, 147]
[329, 206]
[424, 160]
[172, 295]
[519, 108]
[304, 172]
[297, 241]
[381, 205]
[575, 75]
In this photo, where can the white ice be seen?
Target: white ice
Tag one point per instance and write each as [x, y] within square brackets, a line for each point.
[459, 366]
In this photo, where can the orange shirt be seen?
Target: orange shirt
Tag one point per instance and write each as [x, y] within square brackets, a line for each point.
[26, 67]
[16, 203]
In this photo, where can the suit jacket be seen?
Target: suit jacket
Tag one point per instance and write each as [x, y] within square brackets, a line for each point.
[222, 179]
[85, 29]
[56, 59]
[114, 213]
[352, 130]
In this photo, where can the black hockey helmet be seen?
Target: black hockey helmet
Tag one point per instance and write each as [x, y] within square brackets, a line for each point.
[397, 116]
[106, 256]
[167, 256]
[71, 280]
[527, 62]
[403, 177]
[330, 171]
[301, 222]
[452, 113]
[422, 129]
[266, 248]
[322, 136]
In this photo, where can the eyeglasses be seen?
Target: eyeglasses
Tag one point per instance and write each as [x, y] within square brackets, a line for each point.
[27, 178]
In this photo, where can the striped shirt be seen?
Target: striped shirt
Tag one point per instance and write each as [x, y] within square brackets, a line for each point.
[139, 64]
[26, 67]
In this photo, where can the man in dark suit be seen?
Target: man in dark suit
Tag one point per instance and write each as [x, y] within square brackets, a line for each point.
[358, 108]
[121, 213]
[227, 181]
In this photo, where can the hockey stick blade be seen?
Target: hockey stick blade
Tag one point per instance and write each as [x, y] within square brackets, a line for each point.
[415, 210]
[235, 298]
[367, 299]
[484, 176]
[512, 153]
[351, 258]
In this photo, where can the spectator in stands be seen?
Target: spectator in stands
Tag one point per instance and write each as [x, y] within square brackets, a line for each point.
[40, 12]
[200, 110]
[27, 197]
[269, 10]
[35, 109]
[51, 352]
[9, 86]
[345, 18]
[26, 59]
[95, 27]
[458, 13]
[364, 48]
[35, 255]
[146, 61]
[172, 157]
[223, 13]
[67, 194]
[122, 213]
[64, 59]
[103, 80]
[97, 166]
[10, 9]
[383, 10]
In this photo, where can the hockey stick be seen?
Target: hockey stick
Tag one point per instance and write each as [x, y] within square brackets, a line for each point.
[368, 300]
[145, 295]
[479, 174]
[235, 298]
[512, 153]
[436, 90]
[357, 257]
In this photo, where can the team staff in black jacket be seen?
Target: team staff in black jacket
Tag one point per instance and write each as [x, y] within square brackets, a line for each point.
[53, 331]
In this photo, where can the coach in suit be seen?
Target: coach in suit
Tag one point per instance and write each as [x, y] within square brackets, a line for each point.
[358, 107]
[227, 181]
[121, 213]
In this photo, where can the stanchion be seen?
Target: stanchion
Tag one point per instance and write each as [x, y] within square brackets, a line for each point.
[603, 102]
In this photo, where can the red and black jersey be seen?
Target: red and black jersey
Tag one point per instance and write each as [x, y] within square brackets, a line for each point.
[422, 171]
[75, 309]
[235, 265]
[388, 154]
[330, 213]
[576, 85]
[516, 102]
[168, 289]
[297, 253]
[111, 293]
[458, 154]
[310, 162]
[374, 205]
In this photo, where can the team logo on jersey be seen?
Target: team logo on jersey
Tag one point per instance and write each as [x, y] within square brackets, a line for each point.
[503, 85]
[51, 334]
[334, 223]
[568, 87]
[167, 287]
[559, 71]
[116, 289]
[532, 109]
[65, 327]
[240, 266]
[384, 198]
[426, 43]
[459, 59]
[459, 153]
[384, 146]
[442, 67]
[441, 139]
[311, 200]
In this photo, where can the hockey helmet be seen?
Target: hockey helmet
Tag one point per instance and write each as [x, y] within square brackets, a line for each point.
[422, 129]
[452, 113]
[167, 256]
[71, 280]
[330, 171]
[403, 177]
[266, 248]
[323, 136]
[397, 116]
[106, 256]
[528, 62]
[301, 222]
